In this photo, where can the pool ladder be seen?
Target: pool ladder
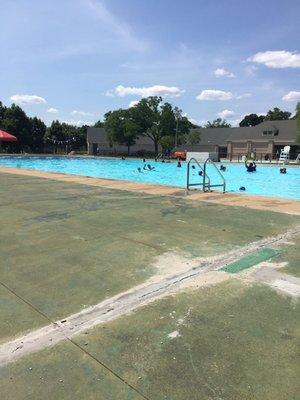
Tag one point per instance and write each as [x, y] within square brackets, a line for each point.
[206, 181]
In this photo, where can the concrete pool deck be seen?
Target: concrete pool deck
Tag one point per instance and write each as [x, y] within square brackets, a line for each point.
[78, 249]
[275, 204]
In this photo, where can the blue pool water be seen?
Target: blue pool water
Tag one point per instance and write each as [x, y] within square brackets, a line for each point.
[266, 181]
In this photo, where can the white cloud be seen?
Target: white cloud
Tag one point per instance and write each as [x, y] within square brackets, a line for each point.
[156, 90]
[133, 103]
[243, 96]
[277, 59]
[194, 121]
[223, 72]
[226, 114]
[291, 96]
[82, 113]
[211, 94]
[27, 99]
[52, 110]
[78, 122]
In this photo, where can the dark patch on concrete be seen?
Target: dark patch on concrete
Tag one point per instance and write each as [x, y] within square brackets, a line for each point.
[52, 216]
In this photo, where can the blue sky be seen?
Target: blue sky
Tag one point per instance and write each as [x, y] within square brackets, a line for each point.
[74, 60]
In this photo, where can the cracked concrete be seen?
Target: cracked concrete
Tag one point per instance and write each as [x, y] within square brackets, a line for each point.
[165, 282]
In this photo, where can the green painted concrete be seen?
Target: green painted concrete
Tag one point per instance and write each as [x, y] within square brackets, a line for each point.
[66, 246]
[250, 260]
[234, 342]
[291, 255]
[62, 372]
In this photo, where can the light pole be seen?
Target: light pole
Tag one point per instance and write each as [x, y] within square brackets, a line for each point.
[177, 113]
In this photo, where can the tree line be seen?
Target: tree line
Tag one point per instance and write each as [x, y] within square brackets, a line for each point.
[162, 123]
[34, 136]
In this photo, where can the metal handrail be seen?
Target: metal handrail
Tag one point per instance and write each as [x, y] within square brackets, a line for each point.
[159, 155]
[188, 184]
[222, 177]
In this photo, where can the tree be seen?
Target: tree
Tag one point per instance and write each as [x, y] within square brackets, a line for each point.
[15, 121]
[65, 135]
[277, 114]
[156, 120]
[192, 138]
[147, 115]
[217, 123]
[99, 124]
[298, 121]
[252, 120]
[38, 130]
[2, 112]
[167, 142]
[121, 127]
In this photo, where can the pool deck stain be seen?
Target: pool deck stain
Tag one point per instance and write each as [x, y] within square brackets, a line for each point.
[275, 204]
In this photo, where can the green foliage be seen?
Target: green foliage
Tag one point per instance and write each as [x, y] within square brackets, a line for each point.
[32, 133]
[122, 128]
[192, 138]
[277, 114]
[217, 123]
[252, 120]
[63, 134]
[298, 121]
[29, 131]
[99, 124]
[167, 142]
[156, 120]
[38, 131]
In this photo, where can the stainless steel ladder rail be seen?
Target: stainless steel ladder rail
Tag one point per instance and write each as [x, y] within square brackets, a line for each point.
[188, 184]
[209, 161]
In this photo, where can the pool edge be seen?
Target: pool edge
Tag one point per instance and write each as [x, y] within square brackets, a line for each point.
[275, 204]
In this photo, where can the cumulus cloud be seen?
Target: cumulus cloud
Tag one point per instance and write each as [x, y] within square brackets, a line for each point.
[223, 72]
[156, 90]
[27, 99]
[82, 113]
[277, 59]
[226, 114]
[133, 103]
[211, 94]
[291, 96]
[52, 110]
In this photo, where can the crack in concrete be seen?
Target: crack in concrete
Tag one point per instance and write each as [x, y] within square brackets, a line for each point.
[154, 288]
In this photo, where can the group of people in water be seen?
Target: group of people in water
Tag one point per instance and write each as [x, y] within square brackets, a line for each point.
[250, 167]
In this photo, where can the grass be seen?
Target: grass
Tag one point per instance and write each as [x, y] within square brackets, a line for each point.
[67, 246]
[234, 342]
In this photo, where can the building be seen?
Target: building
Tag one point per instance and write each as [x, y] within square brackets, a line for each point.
[265, 140]
[98, 143]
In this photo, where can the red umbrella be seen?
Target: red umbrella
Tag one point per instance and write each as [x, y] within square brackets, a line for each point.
[7, 137]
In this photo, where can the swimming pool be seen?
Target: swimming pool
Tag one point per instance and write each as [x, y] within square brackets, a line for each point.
[266, 181]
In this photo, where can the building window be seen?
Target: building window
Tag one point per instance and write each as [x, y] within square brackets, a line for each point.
[270, 133]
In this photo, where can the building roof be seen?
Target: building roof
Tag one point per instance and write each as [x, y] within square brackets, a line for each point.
[286, 132]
